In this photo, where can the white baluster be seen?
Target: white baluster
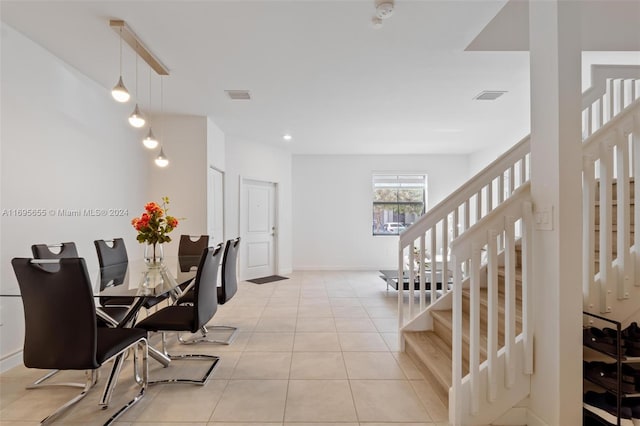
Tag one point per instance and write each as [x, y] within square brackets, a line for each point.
[588, 230]
[527, 285]
[510, 301]
[445, 248]
[635, 143]
[412, 278]
[492, 311]
[432, 262]
[474, 328]
[400, 289]
[422, 273]
[623, 214]
[605, 227]
[456, 345]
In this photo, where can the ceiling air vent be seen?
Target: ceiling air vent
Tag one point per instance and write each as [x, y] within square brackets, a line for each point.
[238, 94]
[489, 95]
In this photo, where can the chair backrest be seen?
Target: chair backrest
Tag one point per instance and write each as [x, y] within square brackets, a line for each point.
[112, 276]
[205, 291]
[190, 251]
[229, 270]
[60, 314]
[111, 255]
[43, 251]
[189, 247]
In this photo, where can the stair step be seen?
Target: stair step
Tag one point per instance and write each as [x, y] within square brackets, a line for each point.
[432, 354]
[466, 299]
[443, 326]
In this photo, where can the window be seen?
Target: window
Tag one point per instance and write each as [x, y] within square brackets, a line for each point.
[398, 201]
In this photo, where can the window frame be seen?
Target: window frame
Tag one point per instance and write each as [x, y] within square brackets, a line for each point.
[377, 227]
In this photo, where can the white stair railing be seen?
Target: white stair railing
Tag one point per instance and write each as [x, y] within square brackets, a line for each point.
[511, 218]
[611, 254]
[490, 210]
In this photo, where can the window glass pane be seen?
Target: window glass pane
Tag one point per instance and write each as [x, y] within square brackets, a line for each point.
[398, 201]
[385, 194]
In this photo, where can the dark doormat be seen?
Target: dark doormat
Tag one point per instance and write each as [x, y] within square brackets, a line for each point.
[269, 279]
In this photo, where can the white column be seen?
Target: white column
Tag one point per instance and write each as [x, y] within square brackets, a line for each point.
[554, 32]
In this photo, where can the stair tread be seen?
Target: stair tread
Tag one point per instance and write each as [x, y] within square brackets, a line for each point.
[433, 353]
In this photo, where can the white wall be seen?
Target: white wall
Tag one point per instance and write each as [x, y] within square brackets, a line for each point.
[215, 146]
[265, 163]
[332, 210]
[65, 144]
[184, 180]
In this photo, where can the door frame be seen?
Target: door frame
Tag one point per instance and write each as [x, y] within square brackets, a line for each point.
[224, 201]
[242, 228]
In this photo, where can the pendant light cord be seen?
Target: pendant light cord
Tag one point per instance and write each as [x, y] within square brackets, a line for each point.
[120, 51]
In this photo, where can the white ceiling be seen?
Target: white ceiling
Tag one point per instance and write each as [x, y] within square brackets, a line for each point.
[316, 69]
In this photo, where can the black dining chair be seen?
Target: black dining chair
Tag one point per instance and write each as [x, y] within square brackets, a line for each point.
[190, 318]
[189, 253]
[112, 253]
[225, 292]
[107, 315]
[61, 331]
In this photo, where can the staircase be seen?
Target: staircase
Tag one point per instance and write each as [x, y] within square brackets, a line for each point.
[474, 340]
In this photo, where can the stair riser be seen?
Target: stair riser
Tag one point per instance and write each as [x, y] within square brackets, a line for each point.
[441, 388]
[484, 315]
[444, 332]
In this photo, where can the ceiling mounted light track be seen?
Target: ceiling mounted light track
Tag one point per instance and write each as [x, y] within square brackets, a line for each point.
[138, 46]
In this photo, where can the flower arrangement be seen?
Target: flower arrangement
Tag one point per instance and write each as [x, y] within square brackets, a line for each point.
[154, 225]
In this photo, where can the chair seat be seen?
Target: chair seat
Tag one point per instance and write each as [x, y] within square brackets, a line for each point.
[188, 297]
[113, 340]
[116, 312]
[171, 318]
[150, 302]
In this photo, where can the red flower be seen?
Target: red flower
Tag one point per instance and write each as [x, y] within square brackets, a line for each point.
[153, 226]
[172, 221]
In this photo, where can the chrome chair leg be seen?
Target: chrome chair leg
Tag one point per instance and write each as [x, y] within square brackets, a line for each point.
[202, 381]
[91, 380]
[40, 382]
[112, 381]
[143, 385]
[205, 330]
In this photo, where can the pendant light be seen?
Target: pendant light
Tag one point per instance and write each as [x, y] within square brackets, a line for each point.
[136, 119]
[150, 140]
[119, 92]
[161, 160]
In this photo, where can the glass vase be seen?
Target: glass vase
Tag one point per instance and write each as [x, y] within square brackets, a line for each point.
[153, 253]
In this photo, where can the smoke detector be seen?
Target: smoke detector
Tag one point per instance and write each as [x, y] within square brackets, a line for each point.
[384, 9]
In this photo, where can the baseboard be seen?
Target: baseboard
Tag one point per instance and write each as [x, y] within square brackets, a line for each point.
[534, 420]
[343, 268]
[9, 361]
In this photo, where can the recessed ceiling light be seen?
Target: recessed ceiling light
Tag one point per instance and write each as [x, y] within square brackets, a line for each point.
[287, 137]
[489, 95]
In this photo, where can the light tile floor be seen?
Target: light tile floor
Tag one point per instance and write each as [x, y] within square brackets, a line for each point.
[318, 348]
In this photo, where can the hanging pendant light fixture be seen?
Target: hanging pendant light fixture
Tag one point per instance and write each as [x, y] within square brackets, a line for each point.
[119, 92]
[161, 160]
[136, 119]
[150, 140]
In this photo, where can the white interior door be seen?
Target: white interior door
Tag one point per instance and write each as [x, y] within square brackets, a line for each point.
[215, 208]
[258, 219]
